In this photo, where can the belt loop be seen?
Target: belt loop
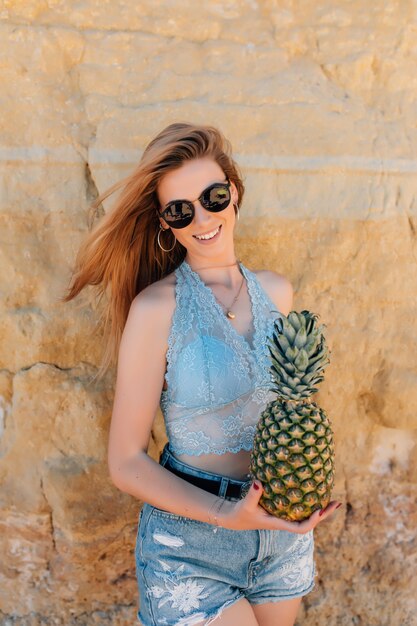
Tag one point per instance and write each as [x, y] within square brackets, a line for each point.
[223, 487]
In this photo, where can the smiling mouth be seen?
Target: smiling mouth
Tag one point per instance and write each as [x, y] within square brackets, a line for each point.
[209, 235]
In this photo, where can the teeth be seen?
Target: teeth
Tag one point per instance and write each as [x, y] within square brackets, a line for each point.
[209, 235]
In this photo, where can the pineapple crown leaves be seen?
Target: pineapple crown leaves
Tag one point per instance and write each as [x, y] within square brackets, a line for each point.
[299, 353]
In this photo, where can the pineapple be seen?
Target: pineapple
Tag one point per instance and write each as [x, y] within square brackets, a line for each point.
[293, 453]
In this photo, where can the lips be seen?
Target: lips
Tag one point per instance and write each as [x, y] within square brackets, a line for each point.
[218, 228]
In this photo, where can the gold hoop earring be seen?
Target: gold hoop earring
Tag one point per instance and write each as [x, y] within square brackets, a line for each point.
[236, 211]
[159, 243]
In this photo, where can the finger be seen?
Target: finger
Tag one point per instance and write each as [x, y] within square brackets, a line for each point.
[312, 521]
[332, 506]
[329, 510]
[280, 523]
[254, 494]
[294, 526]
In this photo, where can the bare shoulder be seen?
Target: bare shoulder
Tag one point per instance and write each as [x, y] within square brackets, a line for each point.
[278, 287]
[161, 289]
[155, 305]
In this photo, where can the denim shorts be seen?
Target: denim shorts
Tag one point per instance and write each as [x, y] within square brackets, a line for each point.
[189, 571]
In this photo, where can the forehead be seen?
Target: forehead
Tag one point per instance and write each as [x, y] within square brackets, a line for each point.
[189, 180]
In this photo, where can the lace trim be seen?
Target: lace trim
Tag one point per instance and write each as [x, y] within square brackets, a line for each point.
[208, 450]
[210, 299]
[165, 394]
[184, 315]
[213, 314]
[253, 359]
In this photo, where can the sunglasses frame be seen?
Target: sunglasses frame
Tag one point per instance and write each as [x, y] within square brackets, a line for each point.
[190, 204]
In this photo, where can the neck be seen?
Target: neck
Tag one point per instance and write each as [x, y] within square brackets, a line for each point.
[227, 274]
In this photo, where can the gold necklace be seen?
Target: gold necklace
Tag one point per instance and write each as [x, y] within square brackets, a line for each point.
[229, 313]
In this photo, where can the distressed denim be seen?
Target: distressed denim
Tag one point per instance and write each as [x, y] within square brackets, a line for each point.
[189, 571]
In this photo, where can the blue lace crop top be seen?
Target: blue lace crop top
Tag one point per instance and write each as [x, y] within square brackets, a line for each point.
[218, 384]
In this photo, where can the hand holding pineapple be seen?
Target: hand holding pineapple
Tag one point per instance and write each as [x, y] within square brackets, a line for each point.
[293, 453]
[247, 514]
[292, 461]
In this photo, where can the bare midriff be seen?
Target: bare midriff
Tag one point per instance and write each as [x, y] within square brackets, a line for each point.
[231, 464]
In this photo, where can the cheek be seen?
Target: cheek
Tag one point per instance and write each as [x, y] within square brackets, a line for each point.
[230, 213]
[183, 235]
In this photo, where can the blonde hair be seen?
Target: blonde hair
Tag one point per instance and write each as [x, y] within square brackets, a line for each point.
[121, 256]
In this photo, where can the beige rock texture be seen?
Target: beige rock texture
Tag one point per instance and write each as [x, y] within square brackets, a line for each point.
[319, 100]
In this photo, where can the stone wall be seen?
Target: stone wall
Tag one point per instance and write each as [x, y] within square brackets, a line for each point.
[319, 100]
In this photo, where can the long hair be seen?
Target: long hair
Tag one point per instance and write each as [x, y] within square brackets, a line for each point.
[120, 256]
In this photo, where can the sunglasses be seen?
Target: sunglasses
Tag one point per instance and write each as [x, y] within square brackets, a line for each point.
[180, 213]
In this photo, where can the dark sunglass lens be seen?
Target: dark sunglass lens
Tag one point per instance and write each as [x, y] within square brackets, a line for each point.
[178, 214]
[216, 197]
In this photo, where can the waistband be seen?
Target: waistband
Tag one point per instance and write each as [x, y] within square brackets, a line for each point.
[218, 484]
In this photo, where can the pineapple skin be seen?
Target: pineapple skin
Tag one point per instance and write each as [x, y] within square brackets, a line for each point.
[293, 457]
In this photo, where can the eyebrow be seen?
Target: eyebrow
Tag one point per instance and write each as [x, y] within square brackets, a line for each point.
[206, 187]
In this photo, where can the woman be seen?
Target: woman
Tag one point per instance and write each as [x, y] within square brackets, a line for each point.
[189, 322]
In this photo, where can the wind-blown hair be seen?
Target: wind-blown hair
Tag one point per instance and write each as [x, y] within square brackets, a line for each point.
[120, 255]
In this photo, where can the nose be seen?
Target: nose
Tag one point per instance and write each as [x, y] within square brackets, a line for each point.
[201, 215]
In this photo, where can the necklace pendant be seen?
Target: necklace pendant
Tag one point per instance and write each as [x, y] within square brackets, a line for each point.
[231, 315]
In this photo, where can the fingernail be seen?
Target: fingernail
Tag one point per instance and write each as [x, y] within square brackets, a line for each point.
[340, 504]
[321, 512]
[256, 486]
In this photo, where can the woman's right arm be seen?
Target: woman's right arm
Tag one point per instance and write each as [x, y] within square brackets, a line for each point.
[140, 377]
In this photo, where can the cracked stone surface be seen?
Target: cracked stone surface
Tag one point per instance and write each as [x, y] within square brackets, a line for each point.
[324, 132]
